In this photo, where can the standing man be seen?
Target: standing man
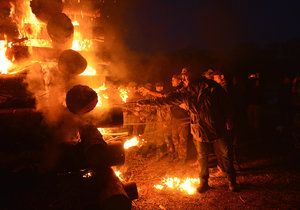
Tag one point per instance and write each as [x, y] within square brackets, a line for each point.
[206, 102]
[180, 123]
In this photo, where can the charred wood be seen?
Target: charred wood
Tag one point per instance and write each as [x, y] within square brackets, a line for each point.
[113, 194]
[13, 92]
[60, 30]
[107, 118]
[81, 99]
[131, 190]
[71, 62]
[44, 10]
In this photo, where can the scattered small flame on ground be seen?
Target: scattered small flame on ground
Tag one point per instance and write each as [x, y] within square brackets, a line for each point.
[187, 185]
[134, 141]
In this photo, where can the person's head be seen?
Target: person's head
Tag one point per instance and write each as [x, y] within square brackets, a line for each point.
[159, 87]
[185, 77]
[209, 74]
[176, 80]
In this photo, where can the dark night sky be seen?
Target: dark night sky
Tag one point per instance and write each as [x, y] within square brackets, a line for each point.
[154, 25]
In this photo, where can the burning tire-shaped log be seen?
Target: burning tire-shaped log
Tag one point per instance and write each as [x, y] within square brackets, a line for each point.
[43, 10]
[71, 62]
[81, 99]
[60, 30]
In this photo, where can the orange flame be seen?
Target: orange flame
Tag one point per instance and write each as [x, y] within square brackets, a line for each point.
[100, 95]
[123, 94]
[187, 185]
[80, 44]
[89, 71]
[5, 64]
[29, 26]
[118, 173]
[131, 142]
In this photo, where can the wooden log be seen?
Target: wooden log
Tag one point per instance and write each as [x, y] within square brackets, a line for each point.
[131, 190]
[71, 62]
[81, 99]
[44, 10]
[60, 30]
[13, 91]
[113, 195]
[108, 118]
[115, 154]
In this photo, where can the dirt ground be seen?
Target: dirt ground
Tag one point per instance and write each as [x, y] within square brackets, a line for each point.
[269, 179]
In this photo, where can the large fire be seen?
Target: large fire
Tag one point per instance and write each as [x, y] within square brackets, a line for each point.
[187, 185]
[5, 63]
[29, 26]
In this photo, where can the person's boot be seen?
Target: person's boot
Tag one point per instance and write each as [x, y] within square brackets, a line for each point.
[203, 186]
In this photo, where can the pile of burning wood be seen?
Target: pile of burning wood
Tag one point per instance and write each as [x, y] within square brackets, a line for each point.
[48, 121]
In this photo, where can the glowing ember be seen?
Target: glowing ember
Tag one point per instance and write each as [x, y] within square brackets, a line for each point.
[123, 94]
[88, 174]
[5, 64]
[131, 142]
[187, 185]
[89, 71]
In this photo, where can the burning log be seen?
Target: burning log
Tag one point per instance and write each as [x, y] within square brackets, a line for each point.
[61, 30]
[113, 194]
[44, 10]
[20, 52]
[110, 118]
[131, 190]
[71, 62]
[97, 151]
[81, 99]
[13, 92]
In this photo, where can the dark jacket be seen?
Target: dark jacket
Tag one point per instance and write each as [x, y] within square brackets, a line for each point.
[207, 105]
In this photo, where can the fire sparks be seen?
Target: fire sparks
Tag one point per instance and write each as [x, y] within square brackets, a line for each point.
[187, 185]
[123, 94]
[131, 142]
[5, 64]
